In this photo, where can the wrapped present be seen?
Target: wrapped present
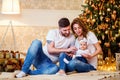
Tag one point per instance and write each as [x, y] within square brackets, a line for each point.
[1, 55]
[10, 61]
[9, 68]
[2, 61]
[118, 61]
[7, 55]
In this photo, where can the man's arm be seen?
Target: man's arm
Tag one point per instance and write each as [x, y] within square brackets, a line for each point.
[52, 50]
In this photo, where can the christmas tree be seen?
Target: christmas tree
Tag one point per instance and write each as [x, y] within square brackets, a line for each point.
[103, 18]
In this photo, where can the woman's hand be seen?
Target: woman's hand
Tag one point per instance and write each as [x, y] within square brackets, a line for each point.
[87, 56]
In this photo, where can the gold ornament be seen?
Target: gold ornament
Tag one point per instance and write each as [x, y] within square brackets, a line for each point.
[88, 12]
[113, 27]
[111, 1]
[107, 59]
[96, 8]
[114, 12]
[101, 18]
[107, 44]
[84, 19]
[112, 38]
[103, 37]
[93, 5]
[106, 32]
[86, 1]
[103, 26]
[107, 19]
[108, 9]
[100, 12]
[116, 35]
[103, 13]
[100, 63]
[86, 9]
[110, 34]
[113, 16]
[100, 57]
[88, 20]
[93, 20]
[99, 4]
[84, 14]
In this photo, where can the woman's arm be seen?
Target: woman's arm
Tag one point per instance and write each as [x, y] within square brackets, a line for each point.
[98, 50]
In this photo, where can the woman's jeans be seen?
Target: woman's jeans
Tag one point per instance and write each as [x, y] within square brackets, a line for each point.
[74, 64]
[40, 61]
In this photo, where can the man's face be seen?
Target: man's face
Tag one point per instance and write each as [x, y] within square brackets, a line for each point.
[65, 31]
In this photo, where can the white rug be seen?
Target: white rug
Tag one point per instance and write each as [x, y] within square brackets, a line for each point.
[93, 75]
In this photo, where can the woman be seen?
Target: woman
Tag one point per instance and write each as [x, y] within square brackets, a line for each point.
[80, 31]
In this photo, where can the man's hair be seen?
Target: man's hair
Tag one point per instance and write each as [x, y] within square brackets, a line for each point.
[63, 22]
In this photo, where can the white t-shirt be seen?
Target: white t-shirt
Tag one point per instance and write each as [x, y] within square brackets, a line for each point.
[80, 52]
[60, 42]
[91, 39]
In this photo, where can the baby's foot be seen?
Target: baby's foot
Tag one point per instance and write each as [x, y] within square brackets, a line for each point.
[61, 73]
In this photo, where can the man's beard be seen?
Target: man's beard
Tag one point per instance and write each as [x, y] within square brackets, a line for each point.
[65, 35]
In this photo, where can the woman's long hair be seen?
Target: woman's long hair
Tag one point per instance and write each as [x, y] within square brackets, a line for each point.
[81, 24]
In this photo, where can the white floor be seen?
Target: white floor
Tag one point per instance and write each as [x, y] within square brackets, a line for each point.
[93, 75]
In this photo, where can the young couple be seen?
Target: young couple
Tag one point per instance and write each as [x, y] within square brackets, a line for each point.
[61, 45]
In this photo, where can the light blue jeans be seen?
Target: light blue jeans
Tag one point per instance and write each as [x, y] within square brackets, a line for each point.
[41, 62]
[74, 64]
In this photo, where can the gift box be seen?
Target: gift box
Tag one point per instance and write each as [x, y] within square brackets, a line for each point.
[118, 61]
[10, 61]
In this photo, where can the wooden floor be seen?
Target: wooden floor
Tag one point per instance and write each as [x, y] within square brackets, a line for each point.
[93, 75]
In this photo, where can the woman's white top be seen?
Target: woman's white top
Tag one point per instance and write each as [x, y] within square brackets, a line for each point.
[91, 40]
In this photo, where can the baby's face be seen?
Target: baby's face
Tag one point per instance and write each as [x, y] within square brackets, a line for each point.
[83, 45]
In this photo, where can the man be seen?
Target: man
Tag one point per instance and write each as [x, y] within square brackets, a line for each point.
[58, 41]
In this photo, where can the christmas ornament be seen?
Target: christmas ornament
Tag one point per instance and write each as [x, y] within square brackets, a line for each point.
[113, 27]
[103, 37]
[88, 20]
[113, 16]
[101, 18]
[107, 44]
[108, 9]
[114, 12]
[100, 13]
[107, 19]
[106, 32]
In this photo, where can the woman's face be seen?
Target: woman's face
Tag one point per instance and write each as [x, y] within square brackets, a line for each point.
[77, 29]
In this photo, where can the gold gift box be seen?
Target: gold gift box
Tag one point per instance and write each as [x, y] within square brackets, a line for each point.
[118, 61]
[10, 61]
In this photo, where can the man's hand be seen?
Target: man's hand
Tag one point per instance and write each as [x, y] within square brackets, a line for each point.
[72, 49]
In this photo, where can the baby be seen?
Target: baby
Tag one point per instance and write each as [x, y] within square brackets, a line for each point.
[83, 49]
